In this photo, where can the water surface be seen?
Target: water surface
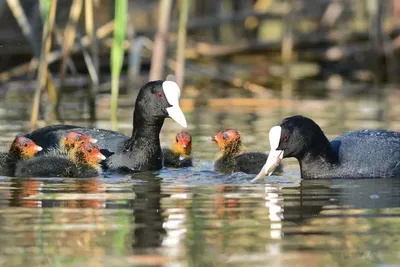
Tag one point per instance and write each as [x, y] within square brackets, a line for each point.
[196, 217]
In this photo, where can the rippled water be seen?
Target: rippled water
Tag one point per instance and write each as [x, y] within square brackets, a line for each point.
[196, 217]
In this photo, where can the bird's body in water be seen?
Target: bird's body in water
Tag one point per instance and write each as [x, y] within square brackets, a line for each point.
[233, 158]
[156, 101]
[179, 154]
[356, 154]
[80, 159]
[21, 149]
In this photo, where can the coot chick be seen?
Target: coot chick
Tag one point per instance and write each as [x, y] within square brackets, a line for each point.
[156, 101]
[356, 154]
[21, 149]
[74, 139]
[233, 159]
[79, 162]
[178, 155]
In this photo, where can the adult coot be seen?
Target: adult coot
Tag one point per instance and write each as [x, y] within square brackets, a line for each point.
[156, 101]
[21, 149]
[80, 161]
[356, 154]
[178, 155]
[233, 158]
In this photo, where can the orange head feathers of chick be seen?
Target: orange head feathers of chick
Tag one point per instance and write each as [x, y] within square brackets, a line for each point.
[24, 148]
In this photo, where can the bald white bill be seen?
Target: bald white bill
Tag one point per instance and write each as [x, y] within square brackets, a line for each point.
[173, 93]
[275, 156]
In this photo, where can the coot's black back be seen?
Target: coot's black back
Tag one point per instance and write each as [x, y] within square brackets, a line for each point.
[49, 137]
[368, 153]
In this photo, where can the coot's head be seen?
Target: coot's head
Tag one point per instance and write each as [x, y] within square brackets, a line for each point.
[73, 138]
[87, 153]
[293, 137]
[229, 141]
[183, 143]
[24, 148]
[159, 99]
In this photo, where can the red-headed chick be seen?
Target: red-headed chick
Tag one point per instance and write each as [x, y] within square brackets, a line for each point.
[179, 154]
[73, 138]
[232, 157]
[21, 149]
[81, 161]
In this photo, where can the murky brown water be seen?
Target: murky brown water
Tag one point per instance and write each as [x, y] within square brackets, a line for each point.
[195, 217]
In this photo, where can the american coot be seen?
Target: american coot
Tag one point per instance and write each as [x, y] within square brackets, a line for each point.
[21, 149]
[356, 154]
[156, 101]
[178, 155]
[233, 159]
[81, 161]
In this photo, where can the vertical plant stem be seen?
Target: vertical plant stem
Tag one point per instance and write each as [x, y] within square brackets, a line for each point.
[90, 31]
[158, 58]
[69, 38]
[180, 53]
[117, 56]
[132, 69]
[287, 53]
[20, 16]
[49, 16]
[136, 49]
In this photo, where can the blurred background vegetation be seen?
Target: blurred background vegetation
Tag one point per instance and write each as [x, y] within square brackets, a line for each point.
[264, 48]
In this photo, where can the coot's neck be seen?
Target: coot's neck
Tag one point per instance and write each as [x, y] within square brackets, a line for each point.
[146, 128]
[319, 159]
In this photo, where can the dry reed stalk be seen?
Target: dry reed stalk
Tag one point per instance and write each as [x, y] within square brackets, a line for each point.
[159, 49]
[69, 38]
[43, 71]
[94, 56]
[180, 51]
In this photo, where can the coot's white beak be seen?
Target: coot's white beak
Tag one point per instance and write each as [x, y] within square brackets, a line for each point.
[275, 156]
[173, 93]
[38, 148]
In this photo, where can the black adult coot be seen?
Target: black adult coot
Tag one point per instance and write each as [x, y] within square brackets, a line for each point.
[156, 101]
[179, 154]
[21, 149]
[233, 158]
[356, 154]
[79, 162]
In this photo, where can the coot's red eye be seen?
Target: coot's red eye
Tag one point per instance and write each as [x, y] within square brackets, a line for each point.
[159, 95]
[285, 138]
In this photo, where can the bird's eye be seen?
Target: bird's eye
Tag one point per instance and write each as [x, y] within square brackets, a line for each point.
[285, 138]
[176, 139]
[25, 145]
[225, 135]
[89, 150]
[159, 95]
